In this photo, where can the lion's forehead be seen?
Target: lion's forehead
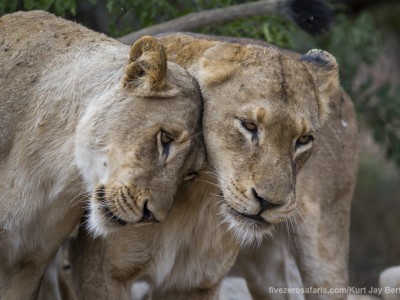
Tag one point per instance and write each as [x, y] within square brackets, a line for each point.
[276, 98]
[280, 85]
[275, 74]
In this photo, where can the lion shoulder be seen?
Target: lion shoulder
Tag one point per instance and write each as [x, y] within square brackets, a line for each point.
[32, 43]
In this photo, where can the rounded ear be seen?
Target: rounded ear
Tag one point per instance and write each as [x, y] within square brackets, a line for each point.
[323, 69]
[325, 73]
[218, 64]
[147, 66]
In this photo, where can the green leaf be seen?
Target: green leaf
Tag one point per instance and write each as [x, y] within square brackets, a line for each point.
[8, 6]
[37, 4]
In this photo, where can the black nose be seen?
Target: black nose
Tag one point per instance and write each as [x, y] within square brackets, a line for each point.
[148, 216]
[265, 203]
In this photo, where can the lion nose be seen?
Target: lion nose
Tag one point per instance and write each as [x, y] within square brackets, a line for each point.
[148, 216]
[265, 203]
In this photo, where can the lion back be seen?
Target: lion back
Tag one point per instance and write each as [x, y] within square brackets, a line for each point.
[30, 42]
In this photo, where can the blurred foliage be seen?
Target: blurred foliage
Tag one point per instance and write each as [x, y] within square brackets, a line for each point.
[58, 7]
[150, 12]
[278, 31]
[248, 27]
[273, 29]
[354, 40]
[381, 111]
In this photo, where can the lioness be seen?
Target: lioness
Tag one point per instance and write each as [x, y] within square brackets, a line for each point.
[265, 111]
[83, 116]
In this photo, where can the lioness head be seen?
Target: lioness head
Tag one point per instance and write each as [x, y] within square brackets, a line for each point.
[262, 112]
[139, 140]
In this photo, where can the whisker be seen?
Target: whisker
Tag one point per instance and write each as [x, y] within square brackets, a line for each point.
[216, 195]
[299, 212]
[297, 225]
[79, 198]
[214, 184]
[288, 232]
[122, 183]
[84, 224]
[294, 234]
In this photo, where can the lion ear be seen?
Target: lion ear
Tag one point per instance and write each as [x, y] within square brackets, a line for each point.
[218, 64]
[147, 66]
[325, 73]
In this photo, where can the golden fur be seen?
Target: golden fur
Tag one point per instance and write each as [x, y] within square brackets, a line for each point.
[83, 116]
[258, 179]
[257, 170]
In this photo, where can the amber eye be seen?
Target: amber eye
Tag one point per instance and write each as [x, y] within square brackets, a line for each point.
[166, 141]
[250, 126]
[165, 138]
[304, 140]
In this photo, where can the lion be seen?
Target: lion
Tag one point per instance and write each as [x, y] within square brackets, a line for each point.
[85, 121]
[281, 141]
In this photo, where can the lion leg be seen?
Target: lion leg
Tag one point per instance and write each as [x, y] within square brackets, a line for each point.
[57, 283]
[92, 277]
[319, 246]
[22, 283]
[269, 267]
[211, 293]
[322, 247]
[50, 285]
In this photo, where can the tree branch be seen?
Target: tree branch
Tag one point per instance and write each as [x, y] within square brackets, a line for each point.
[197, 20]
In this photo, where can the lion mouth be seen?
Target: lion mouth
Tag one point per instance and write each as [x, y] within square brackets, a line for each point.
[257, 219]
[252, 217]
[113, 217]
[240, 215]
[148, 217]
[247, 229]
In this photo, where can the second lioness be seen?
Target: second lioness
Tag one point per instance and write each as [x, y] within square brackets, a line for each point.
[84, 117]
[265, 110]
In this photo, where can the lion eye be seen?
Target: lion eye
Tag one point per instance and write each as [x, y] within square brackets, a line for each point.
[304, 140]
[166, 141]
[165, 138]
[250, 126]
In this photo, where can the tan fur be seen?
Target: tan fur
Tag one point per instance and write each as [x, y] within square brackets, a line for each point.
[236, 82]
[186, 257]
[73, 127]
[324, 185]
[171, 255]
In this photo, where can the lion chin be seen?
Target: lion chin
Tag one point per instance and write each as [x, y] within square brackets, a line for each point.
[247, 230]
[101, 222]
[98, 223]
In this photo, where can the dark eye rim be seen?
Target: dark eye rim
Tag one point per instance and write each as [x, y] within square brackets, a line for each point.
[301, 144]
[168, 135]
[243, 122]
[246, 123]
[166, 145]
[191, 175]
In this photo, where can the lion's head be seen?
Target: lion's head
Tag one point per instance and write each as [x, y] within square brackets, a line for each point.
[262, 112]
[140, 140]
